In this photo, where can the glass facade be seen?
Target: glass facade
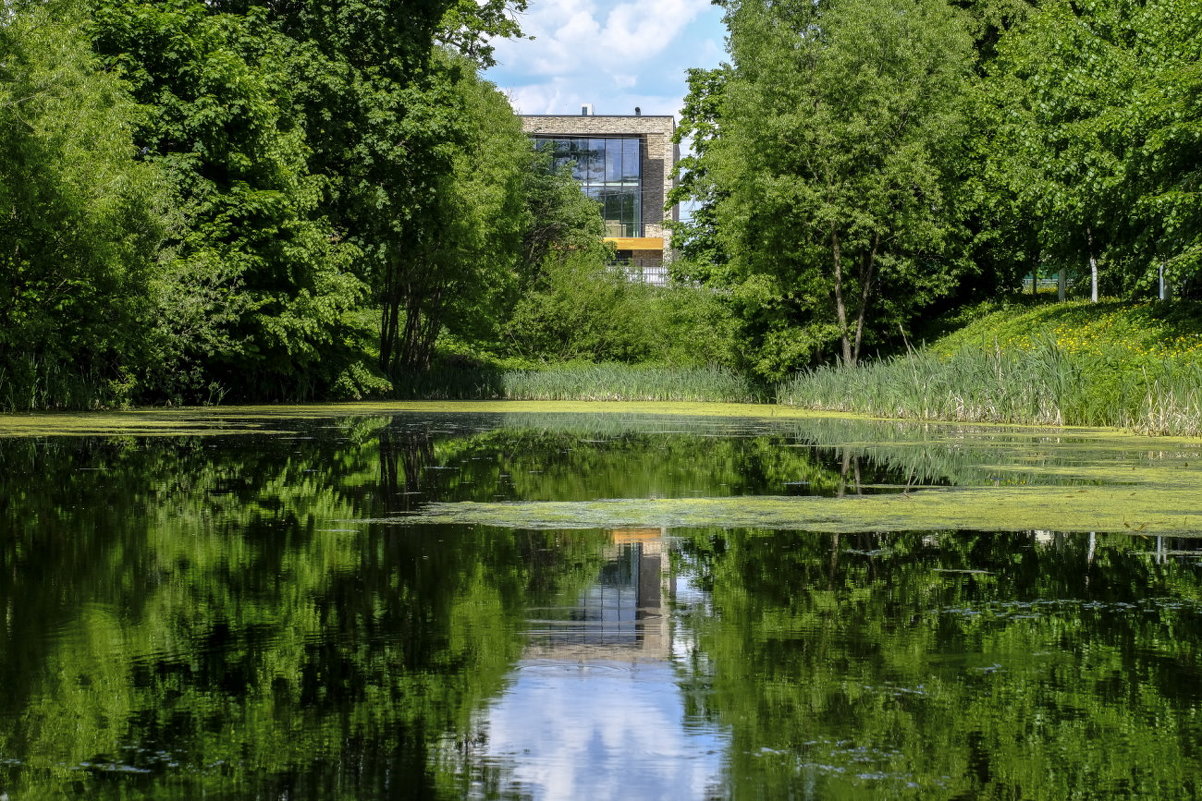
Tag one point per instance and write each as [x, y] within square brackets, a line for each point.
[610, 170]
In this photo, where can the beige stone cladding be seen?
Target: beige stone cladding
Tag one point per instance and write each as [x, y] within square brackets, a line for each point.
[660, 153]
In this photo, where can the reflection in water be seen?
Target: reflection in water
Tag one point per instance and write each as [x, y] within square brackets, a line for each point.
[621, 616]
[595, 709]
[953, 665]
[185, 618]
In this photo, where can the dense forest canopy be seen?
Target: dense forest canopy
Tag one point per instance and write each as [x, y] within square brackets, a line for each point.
[231, 199]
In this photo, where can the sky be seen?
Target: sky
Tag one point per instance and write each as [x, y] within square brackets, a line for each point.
[616, 55]
[598, 729]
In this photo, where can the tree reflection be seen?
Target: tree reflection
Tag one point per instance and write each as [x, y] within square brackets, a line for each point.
[952, 665]
[184, 620]
[219, 616]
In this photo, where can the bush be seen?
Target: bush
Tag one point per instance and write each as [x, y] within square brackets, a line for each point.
[582, 309]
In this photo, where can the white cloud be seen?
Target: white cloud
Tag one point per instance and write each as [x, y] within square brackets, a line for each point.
[573, 36]
[601, 730]
[614, 55]
[564, 96]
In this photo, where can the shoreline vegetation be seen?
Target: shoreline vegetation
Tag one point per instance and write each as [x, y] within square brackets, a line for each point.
[1129, 366]
[1134, 367]
[206, 205]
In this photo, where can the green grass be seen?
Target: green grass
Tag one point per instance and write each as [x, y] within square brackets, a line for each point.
[1165, 329]
[582, 382]
[1130, 366]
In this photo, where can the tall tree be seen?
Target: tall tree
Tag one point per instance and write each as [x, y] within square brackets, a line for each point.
[1096, 111]
[259, 283]
[840, 124]
[695, 238]
[79, 214]
[460, 251]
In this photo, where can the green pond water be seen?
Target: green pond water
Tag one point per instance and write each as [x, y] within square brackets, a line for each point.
[393, 602]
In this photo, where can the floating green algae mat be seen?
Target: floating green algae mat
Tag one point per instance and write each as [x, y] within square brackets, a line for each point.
[242, 419]
[1151, 510]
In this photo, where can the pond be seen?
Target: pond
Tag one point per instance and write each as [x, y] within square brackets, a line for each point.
[459, 601]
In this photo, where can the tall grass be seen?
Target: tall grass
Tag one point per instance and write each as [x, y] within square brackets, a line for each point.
[583, 382]
[629, 382]
[32, 384]
[1044, 384]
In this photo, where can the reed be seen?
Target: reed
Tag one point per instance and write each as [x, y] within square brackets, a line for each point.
[582, 382]
[1044, 383]
[32, 384]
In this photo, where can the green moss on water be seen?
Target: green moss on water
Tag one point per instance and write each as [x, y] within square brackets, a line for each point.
[244, 419]
[1078, 509]
[1144, 510]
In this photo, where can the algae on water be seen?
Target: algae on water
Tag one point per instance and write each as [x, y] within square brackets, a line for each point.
[943, 476]
[1144, 510]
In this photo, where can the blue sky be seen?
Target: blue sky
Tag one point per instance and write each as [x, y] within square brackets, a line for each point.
[615, 55]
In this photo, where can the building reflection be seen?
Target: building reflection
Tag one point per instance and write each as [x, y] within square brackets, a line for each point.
[622, 615]
[595, 708]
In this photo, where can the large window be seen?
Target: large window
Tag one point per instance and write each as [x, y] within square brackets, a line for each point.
[610, 170]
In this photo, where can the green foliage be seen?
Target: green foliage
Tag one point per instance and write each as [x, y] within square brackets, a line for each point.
[580, 308]
[82, 219]
[257, 287]
[1067, 364]
[1088, 112]
[463, 247]
[608, 382]
[832, 173]
[560, 218]
[696, 238]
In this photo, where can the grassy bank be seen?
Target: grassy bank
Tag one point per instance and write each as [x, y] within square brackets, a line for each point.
[1131, 366]
[581, 382]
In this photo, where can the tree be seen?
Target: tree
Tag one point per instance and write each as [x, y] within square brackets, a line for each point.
[1055, 80]
[1096, 110]
[1165, 171]
[560, 218]
[840, 125]
[258, 284]
[460, 251]
[696, 239]
[325, 157]
[81, 217]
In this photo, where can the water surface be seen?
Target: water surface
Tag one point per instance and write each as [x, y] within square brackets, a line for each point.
[275, 613]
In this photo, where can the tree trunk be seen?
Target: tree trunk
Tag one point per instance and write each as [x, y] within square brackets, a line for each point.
[423, 321]
[840, 306]
[1093, 268]
[389, 318]
[867, 275]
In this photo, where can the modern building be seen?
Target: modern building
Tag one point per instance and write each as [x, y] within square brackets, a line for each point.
[625, 162]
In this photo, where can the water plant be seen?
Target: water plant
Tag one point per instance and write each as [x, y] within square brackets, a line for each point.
[583, 382]
[1042, 381]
